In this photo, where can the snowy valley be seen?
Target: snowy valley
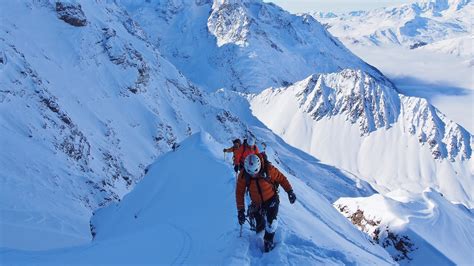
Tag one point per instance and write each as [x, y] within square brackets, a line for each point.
[113, 116]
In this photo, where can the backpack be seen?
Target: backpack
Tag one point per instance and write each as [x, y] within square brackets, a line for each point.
[245, 148]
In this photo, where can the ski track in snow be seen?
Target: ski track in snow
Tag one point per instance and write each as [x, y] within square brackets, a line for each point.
[185, 248]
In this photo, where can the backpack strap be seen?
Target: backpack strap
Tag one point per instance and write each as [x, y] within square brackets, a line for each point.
[265, 174]
[259, 189]
[241, 163]
[249, 179]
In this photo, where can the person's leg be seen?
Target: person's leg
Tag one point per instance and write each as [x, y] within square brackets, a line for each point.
[259, 220]
[271, 222]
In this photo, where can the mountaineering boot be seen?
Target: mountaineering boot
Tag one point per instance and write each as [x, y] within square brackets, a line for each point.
[268, 241]
[268, 246]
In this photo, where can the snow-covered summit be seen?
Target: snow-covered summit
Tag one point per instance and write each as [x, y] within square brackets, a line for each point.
[219, 3]
[241, 44]
[371, 104]
[355, 94]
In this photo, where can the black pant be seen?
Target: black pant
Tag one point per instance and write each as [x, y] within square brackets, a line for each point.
[266, 216]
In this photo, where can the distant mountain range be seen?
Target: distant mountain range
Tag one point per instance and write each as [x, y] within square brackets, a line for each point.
[437, 25]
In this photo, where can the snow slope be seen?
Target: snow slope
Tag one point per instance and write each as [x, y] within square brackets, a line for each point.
[181, 215]
[459, 46]
[351, 121]
[83, 110]
[240, 45]
[407, 219]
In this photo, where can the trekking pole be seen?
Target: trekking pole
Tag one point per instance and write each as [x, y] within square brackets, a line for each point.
[240, 231]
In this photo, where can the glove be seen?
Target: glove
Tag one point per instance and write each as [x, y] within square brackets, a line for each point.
[236, 168]
[291, 196]
[224, 150]
[241, 216]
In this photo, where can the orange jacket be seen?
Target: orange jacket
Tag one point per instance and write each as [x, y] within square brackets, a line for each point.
[235, 151]
[275, 176]
[243, 152]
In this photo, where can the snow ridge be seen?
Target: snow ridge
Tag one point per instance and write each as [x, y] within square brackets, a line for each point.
[352, 93]
[373, 105]
[445, 138]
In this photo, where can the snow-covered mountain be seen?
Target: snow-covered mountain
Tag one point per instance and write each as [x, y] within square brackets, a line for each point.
[242, 45]
[350, 120]
[97, 95]
[445, 23]
[85, 108]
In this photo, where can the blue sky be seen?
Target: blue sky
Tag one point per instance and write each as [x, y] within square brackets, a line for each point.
[334, 5]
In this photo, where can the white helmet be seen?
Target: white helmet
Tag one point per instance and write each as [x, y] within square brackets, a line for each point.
[252, 164]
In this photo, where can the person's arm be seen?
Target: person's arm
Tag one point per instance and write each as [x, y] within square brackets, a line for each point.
[278, 177]
[281, 179]
[231, 149]
[238, 155]
[240, 192]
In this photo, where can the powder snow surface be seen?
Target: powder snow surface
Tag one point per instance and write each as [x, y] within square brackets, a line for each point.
[183, 211]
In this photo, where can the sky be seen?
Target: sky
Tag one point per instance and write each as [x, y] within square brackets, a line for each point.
[337, 6]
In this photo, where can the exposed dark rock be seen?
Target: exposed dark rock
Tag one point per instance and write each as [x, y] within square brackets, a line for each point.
[398, 245]
[71, 13]
[92, 228]
[417, 45]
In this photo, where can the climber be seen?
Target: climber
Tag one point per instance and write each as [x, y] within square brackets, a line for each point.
[235, 150]
[247, 148]
[261, 179]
